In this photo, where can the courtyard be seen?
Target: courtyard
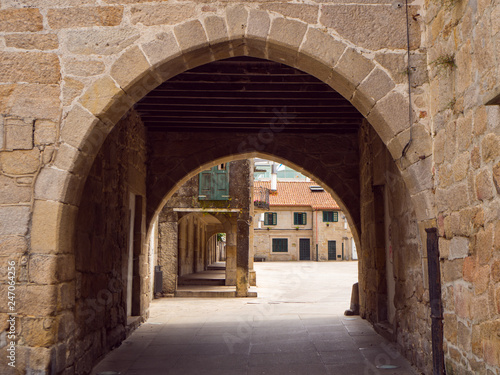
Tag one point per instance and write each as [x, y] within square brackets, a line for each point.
[295, 326]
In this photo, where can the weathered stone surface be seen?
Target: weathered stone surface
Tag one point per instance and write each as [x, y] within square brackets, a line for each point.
[367, 26]
[304, 12]
[321, 46]
[77, 126]
[83, 68]
[237, 20]
[101, 95]
[490, 147]
[258, 24]
[35, 101]
[32, 41]
[161, 14]
[84, 17]
[132, 60]
[289, 33]
[14, 220]
[11, 193]
[461, 166]
[216, 29]
[190, 35]
[43, 300]
[459, 248]
[72, 88]
[45, 3]
[20, 162]
[161, 49]
[484, 185]
[18, 134]
[100, 42]
[376, 85]
[496, 178]
[483, 246]
[390, 115]
[20, 20]
[31, 67]
[51, 269]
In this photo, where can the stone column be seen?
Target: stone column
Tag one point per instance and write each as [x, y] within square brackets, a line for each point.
[242, 255]
[168, 252]
[231, 241]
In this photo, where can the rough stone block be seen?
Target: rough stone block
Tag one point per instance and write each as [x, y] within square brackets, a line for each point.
[11, 193]
[288, 33]
[20, 20]
[304, 12]
[84, 17]
[161, 49]
[83, 68]
[58, 185]
[461, 166]
[31, 67]
[38, 331]
[32, 41]
[45, 132]
[35, 101]
[237, 20]
[490, 146]
[18, 134]
[43, 300]
[20, 162]
[190, 36]
[459, 248]
[484, 185]
[216, 29]
[99, 41]
[367, 26]
[14, 220]
[389, 116]
[133, 60]
[483, 245]
[418, 176]
[51, 269]
[77, 126]
[72, 88]
[161, 14]
[376, 85]
[101, 96]
[51, 231]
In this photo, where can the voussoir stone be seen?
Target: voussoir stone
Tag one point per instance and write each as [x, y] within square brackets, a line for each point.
[100, 42]
[133, 60]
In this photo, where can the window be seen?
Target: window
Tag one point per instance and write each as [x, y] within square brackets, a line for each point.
[214, 184]
[280, 245]
[299, 218]
[270, 218]
[330, 216]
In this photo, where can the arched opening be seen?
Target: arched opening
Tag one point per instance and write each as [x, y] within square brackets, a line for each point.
[175, 156]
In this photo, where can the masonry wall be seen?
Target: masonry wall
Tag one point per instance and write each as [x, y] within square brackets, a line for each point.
[464, 61]
[102, 245]
[392, 268]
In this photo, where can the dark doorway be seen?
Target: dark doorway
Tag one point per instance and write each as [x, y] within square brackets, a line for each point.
[305, 249]
[332, 250]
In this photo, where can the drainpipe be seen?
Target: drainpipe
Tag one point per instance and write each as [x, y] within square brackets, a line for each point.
[274, 177]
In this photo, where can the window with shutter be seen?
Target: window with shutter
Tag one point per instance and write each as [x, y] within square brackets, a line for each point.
[299, 218]
[214, 184]
[280, 245]
[330, 216]
[270, 218]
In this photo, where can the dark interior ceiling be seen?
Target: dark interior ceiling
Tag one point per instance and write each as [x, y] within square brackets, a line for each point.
[247, 94]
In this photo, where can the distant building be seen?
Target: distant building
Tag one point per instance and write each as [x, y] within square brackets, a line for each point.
[303, 223]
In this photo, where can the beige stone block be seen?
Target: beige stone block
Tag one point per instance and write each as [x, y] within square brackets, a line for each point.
[420, 147]
[191, 36]
[77, 126]
[483, 245]
[418, 176]
[83, 68]
[289, 33]
[99, 41]
[11, 193]
[450, 328]
[304, 12]
[389, 116]
[216, 29]
[376, 85]
[52, 231]
[259, 24]
[101, 96]
[395, 63]
[35, 101]
[444, 248]
[20, 20]
[30, 67]
[459, 248]
[51, 269]
[496, 177]
[63, 18]
[484, 185]
[160, 50]
[14, 220]
[237, 21]
[71, 159]
[354, 67]
[46, 3]
[18, 133]
[45, 132]
[461, 166]
[32, 41]
[438, 147]
[42, 298]
[13, 245]
[453, 198]
[133, 60]
[425, 205]
[58, 185]
[490, 146]
[161, 14]
[367, 26]
[20, 162]
[38, 331]
[72, 88]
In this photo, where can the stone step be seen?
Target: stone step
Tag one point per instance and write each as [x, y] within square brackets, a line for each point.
[210, 292]
[200, 281]
[216, 267]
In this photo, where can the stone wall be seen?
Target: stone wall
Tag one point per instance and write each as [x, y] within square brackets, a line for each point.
[393, 286]
[464, 62]
[102, 246]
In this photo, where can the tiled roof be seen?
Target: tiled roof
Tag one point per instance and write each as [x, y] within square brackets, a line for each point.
[298, 193]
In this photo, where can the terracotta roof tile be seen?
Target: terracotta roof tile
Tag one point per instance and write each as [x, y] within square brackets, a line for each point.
[298, 193]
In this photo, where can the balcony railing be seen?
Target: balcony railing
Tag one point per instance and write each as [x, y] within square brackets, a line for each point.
[261, 198]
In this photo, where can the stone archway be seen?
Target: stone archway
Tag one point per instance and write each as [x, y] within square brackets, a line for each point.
[365, 83]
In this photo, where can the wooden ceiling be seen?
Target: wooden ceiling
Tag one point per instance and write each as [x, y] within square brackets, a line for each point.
[247, 95]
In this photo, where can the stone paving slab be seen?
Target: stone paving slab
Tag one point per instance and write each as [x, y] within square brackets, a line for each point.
[284, 330]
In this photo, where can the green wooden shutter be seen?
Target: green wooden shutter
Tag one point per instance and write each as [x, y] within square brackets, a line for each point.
[275, 218]
[335, 216]
[304, 218]
[295, 218]
[214, 185]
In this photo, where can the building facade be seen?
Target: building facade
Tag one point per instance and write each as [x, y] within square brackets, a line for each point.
[303, 223]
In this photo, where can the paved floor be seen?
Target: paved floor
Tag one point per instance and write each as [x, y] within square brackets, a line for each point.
[295, 326]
